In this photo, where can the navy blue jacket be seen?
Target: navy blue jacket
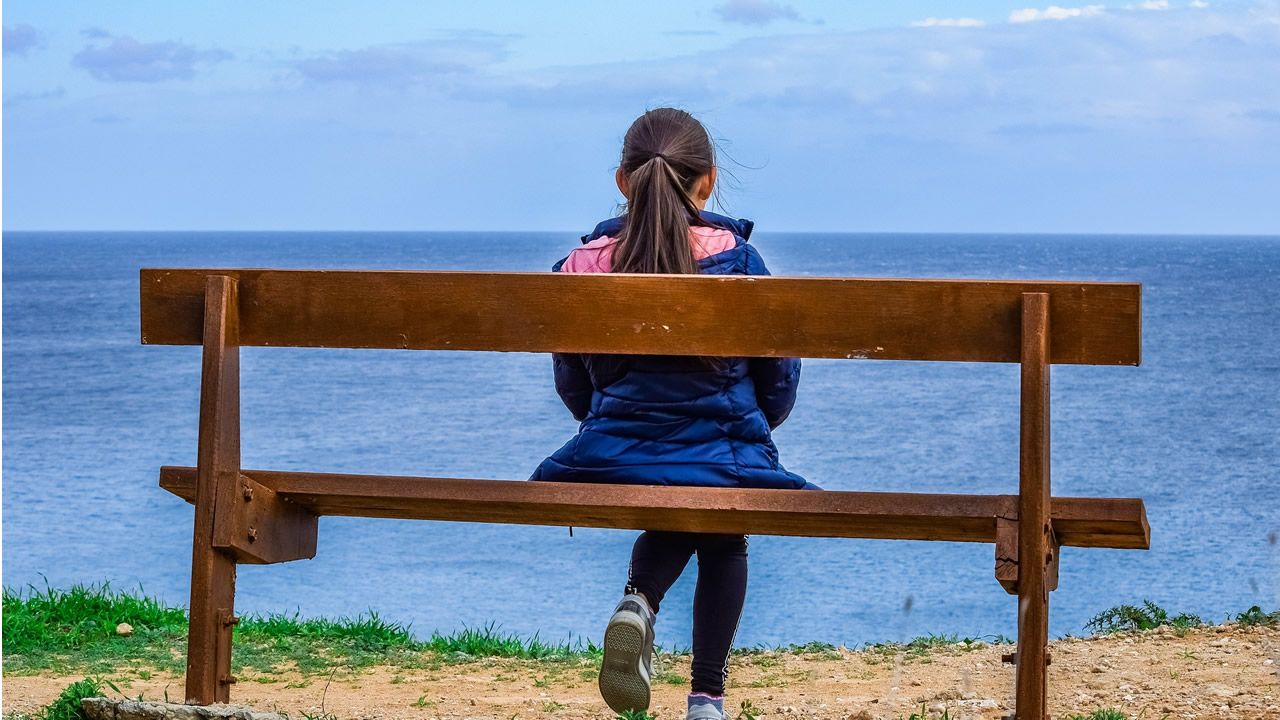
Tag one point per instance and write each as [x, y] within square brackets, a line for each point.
[671, 420]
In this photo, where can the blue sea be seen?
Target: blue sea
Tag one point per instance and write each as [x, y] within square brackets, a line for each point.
[90, 415]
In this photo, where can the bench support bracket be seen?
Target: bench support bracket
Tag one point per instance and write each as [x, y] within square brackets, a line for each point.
[1007, 555]
[213, 570]
[1036, 548]
[261, 528]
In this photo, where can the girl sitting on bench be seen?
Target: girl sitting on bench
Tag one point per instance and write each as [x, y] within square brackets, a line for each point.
[666, 420]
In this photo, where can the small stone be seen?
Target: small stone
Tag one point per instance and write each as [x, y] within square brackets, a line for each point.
[124, 629]
[1222, 691]
[1268, 661]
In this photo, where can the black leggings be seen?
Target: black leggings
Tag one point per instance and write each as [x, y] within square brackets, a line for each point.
[657, 560]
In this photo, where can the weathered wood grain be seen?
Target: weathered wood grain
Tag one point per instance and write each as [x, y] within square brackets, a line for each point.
[1036, 546]
[213, 571]
[963, 320]
[1086, 522]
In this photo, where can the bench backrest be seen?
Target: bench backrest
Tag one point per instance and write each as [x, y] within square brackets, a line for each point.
[1093, 323]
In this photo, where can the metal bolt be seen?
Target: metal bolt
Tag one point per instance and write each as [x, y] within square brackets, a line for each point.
[253, 534]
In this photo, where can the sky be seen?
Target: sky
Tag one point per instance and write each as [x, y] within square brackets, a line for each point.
[831, 115]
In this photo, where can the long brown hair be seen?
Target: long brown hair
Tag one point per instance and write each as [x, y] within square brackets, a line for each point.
[664, 154]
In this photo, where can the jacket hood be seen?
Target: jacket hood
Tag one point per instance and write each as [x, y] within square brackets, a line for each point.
[740, 227]
[742, 259]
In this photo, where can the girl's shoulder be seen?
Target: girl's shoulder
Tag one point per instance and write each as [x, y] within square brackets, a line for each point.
[597, 255]
[741, 227]
[720, 247]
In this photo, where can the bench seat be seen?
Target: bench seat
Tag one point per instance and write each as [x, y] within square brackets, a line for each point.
[1080, 522]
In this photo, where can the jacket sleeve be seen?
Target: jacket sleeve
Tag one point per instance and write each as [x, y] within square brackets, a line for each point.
[776, 379]
[573, 383]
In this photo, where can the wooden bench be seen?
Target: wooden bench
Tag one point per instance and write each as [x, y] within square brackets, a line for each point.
[264, 516]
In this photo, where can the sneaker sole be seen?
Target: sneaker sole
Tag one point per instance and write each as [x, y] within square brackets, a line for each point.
[624, 685]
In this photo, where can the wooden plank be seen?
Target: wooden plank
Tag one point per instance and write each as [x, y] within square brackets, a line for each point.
[1117, 523]
[963, 320]
[261, 528]
[1034, 530]
[1007, 554]
[213, 572]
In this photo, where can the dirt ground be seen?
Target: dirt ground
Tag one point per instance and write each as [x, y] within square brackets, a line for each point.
[1218, 672]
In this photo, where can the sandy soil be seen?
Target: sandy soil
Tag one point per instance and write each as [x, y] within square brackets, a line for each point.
[1220, 672]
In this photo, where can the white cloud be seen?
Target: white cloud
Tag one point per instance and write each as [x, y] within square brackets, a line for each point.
[1053, 12]
[1154, 5]
[948, 22]
[1199, 4]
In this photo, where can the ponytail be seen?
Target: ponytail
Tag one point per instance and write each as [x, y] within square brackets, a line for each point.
[665, 152]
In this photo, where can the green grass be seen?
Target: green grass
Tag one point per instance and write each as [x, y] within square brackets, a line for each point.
[491, 642]
[1148, 616]
[1103, 714]
[74, 630]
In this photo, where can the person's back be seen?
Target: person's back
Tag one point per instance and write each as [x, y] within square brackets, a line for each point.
[667, 420]
[702, 421]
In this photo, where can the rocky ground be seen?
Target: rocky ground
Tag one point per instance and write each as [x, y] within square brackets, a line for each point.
[1215, 672]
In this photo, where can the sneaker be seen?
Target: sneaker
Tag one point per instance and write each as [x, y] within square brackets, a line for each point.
[628, 656]
[702, 707]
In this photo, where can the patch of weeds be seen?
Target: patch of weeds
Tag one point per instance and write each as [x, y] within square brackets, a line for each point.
[925, 715]
[321, 715]
[670, 678]
[813, 648]
[589, 674]
[1188, 655]
[1101, 714]
[748, 711]
[1147, 617]
[67, 705]
[550, 706]
[422, 702]
[1254, 617]
[636, 715]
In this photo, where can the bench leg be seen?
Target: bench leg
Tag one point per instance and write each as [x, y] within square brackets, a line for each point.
[213, 571]
[1035, 535]
[213, 588]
